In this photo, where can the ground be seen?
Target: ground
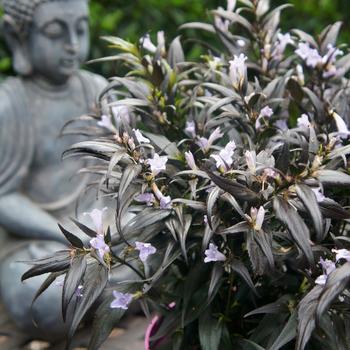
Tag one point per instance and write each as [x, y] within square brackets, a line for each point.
[129, 335]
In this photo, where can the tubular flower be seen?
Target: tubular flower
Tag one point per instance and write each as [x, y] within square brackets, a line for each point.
[238, 71]
[140, 138]
[121, 301]
[303, 121]
[224, 158]
[205, 144]
[157, 164]
[257, 216]
[212, 254]
[266, 112]
[96, 216]
[328, 266]
[190, 160]
[146, 249]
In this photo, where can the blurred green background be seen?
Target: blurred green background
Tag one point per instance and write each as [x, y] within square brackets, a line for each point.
[130, 19]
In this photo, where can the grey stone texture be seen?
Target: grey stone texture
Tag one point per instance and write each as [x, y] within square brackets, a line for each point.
[37, 189]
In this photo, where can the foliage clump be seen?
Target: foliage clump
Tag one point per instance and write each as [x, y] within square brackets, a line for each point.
[230, 178]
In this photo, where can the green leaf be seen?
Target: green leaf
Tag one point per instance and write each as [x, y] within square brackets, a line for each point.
[308, 198]
[175, 54]
[74, 240]
[198, 25]
[72, 280]
[337, 281]
[95, 280]
[234, 188]
[88, 231]
[234, 18]
[163, 144]
[243, 272]
[56, 263]
[129, 174]
[237, 228]
[287, 334]
[306, 317]
[329, 36]
[210, 330]
[105, 320]
[277, 307]
[215, 280]
[297, 227]
[331, 209]
[333, 177]
[211, 200]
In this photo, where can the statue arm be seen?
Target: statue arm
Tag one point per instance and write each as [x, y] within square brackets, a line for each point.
[20, 216]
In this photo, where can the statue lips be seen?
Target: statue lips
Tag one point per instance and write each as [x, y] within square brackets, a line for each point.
[69, 65]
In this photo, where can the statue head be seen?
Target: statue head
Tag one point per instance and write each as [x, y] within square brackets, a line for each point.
[48, 38]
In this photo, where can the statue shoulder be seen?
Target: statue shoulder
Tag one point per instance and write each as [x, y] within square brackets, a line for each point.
[94, 81]
[12, 97]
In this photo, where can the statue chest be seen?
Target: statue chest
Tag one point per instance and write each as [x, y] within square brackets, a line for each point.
[50, 178]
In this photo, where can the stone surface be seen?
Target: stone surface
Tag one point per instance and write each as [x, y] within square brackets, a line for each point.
[49, 39]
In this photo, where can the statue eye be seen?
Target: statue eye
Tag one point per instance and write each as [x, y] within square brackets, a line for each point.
[82, 26]
[53, 30]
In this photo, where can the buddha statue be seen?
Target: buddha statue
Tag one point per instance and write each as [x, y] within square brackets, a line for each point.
[49, 39]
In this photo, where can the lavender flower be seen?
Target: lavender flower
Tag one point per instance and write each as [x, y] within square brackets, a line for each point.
[147, 198]
[341, 125]
[121, 114]
[300, 74]
[342, 254]
[190, 160]
[224, 158]
[96, 216]
[121, 301]
[283, 41]
[78, 291]
[266, 112]
[140, 138]
[319, 195]
[231, 4]
[257, 217]
[328, 266]
[331, 56]
[311, 56]
[146, 249]
[190, 129]
[165, 202]
[238, 71]
[100, 245]
[147, 43]
[240, 42]
[303, 121]
[212, 254]
[268, 172]
[106, 122]
[157, 164]
[250, 157]
[205, 144]
[281, 124]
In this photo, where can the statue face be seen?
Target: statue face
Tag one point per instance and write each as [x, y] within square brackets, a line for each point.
[59, 39]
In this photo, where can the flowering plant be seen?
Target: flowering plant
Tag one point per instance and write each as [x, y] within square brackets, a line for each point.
[230, 177]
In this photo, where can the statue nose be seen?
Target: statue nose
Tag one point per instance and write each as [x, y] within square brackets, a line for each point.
[72, 45]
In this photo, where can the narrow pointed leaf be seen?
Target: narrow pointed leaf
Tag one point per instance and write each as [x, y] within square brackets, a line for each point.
[308, 198]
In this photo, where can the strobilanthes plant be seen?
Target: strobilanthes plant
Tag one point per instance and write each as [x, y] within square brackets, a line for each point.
[230, 178]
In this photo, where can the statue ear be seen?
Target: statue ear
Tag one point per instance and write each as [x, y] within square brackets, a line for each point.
[18, 45]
